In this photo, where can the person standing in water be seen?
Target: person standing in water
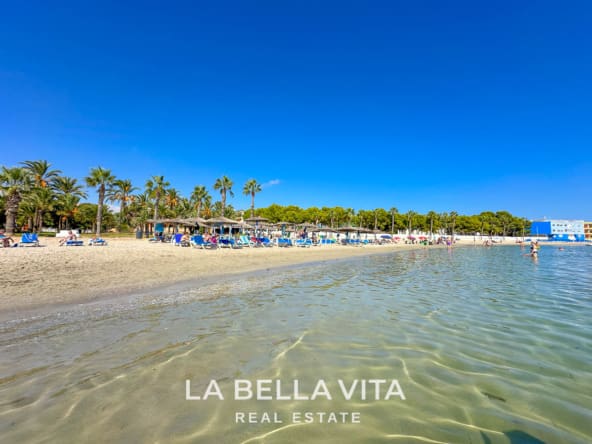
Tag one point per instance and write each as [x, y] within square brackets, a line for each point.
[534, 249]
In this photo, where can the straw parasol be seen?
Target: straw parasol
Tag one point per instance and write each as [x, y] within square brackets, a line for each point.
[193, 221]
[325, 229]
[221, 221]
[256, 219]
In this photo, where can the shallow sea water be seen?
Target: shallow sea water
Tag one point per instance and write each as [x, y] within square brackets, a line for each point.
[486, 345]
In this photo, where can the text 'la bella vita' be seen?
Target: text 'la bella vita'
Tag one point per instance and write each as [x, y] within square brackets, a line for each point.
[275, 390]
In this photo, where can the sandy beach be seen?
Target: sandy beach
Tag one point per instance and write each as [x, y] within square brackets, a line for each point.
[51, 275]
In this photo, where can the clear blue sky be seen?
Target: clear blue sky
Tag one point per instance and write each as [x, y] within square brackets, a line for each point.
[465, 106]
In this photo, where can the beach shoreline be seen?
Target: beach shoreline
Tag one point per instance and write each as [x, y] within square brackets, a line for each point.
[54, 276]
[50, 275]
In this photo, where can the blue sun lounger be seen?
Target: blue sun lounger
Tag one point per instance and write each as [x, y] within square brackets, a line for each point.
[198, 241]
[284, 242]
[98, 242]
[74, 243]
[29, 240]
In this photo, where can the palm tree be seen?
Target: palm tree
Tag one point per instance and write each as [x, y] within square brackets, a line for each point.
[67, 186]
[410, 215]
[14, 182]
[393, 211]
[40, 172]
[252, 187]
[103, 180]
[68, 207]
[42, 175]
[122, 192]
[199, 196]
[172, 198]
[453, 216]
[224, 184]
[432, 215]
[156, 188]
[41, 200]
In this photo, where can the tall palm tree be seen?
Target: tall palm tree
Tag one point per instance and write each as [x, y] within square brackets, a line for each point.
[42, 175]
[103, 180]
[224, 184]
[14, 183]
[68, 186]
[69, 193]
[350, 214]
[41, 200]
[410, 216]
[122, 192]
[172, 198]
[156, 188]
[453, 216]
[252, 187]
[199, 196]
[432, 215]
[68, 207]
[393, 211]
[41, 172]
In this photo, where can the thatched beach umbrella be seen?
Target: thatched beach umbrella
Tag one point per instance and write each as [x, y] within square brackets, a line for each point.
[256, 220]
[221, 222]
[325, 229]
[349, 229]
[282, 226]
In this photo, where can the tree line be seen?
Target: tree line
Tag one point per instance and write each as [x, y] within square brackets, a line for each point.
[33, 196]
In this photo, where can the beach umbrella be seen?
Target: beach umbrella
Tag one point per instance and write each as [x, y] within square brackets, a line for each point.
[256, 220]
[282, 225]
[193, 221]
[243, 226]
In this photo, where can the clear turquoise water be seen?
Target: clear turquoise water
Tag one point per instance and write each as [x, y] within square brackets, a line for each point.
[487, 345]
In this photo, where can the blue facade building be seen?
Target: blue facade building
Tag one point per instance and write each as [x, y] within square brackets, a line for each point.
[559, 230]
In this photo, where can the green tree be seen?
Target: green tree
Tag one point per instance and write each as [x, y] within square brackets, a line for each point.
[122, 192]
[224, 184]
[67, 186]
[67, 209]
[251, 188]
[42, 200]
[42, 175]
[199, 196]
[393, 212]
[14, 183]
[156, 188]
[410, 216]
[453, 216]
[40, 172]
[432, 216]
[103, 180]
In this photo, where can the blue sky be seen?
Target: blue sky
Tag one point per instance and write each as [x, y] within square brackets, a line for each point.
[465, 106]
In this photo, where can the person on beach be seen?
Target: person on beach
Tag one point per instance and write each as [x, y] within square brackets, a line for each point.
[6, 240]
[185, 240]
[70, 237]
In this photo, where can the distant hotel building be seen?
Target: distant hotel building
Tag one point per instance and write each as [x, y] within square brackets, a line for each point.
[588, 231]
[559, 230]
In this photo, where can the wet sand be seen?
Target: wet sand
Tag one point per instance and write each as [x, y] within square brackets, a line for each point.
[35, 277]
